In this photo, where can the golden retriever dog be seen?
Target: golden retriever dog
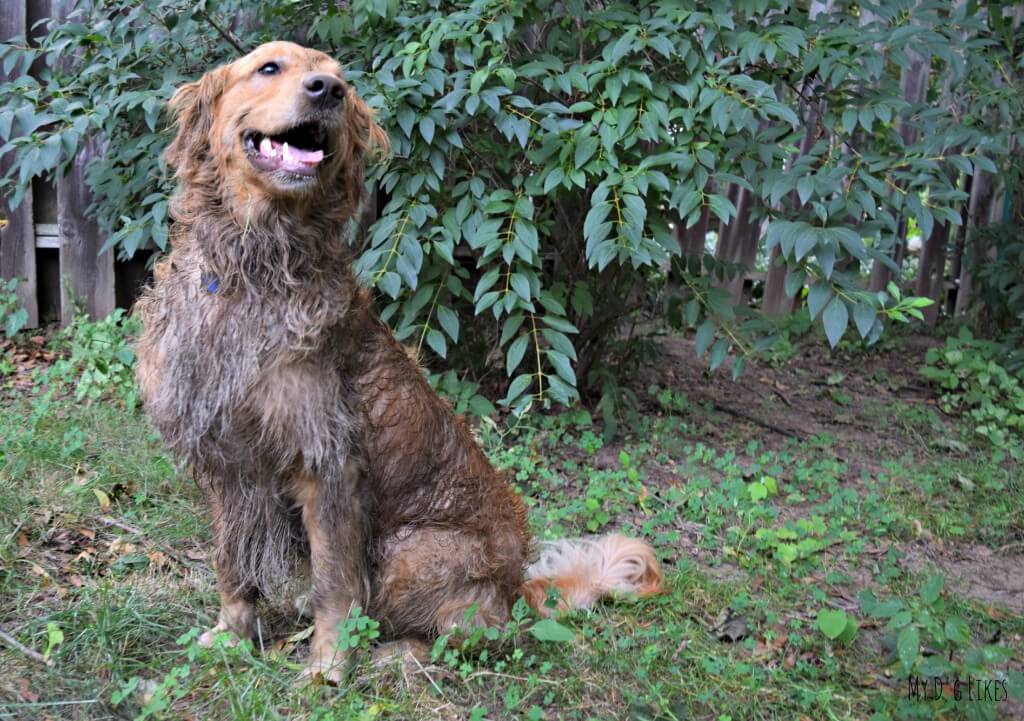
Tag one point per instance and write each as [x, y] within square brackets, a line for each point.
[319, 446]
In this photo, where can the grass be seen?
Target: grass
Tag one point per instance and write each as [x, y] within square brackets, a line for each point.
[103, 549]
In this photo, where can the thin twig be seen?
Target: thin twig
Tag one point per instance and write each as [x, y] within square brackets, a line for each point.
[224, 33]
[121, 524]
[429, 677]
[757, 421]
[17, 645]
[495, 674]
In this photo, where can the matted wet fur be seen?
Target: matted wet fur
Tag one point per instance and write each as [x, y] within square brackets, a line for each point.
[315, 438]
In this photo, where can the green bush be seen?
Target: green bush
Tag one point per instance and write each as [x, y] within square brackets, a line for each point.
[546, 151]
[975, 384]
[999, 298]
[98, 360]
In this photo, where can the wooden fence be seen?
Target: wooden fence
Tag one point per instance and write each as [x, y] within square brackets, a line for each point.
[48, 239]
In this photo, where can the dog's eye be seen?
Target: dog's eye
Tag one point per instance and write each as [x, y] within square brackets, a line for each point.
[269, 69]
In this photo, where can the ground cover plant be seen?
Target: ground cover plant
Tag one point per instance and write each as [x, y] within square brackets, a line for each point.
[815, 567]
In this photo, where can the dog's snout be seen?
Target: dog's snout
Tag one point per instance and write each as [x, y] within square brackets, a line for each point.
[323, 88]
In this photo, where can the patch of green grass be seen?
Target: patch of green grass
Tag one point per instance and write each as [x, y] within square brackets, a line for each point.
[767, 550]
[961, 498]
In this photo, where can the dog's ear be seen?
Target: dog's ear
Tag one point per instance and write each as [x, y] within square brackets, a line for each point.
[194, 106]
[365, 138]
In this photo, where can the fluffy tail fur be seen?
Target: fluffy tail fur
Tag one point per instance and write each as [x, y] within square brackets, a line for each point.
[585, 569]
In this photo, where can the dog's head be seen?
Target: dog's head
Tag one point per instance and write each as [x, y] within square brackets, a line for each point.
[278, 125]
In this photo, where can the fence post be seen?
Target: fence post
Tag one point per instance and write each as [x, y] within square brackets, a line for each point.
[85, 272]
[17, 231]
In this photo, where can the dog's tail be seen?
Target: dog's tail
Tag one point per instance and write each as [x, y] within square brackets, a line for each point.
[583, 570]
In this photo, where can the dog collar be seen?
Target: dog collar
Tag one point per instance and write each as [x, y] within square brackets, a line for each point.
[210, 282]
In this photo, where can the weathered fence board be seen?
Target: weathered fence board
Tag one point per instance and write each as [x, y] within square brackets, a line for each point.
[17, 236]
[86, 274]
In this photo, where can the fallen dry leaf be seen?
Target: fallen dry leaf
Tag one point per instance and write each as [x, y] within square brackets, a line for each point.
[995, 614]
[103, 498]
[26, 691]
[119, 545]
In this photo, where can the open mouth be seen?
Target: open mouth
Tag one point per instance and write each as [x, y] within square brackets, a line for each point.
[297, 151]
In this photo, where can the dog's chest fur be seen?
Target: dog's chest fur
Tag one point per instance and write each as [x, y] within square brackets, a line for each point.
[244, 385]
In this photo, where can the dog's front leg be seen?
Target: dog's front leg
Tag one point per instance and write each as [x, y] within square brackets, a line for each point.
[237, 600]
[335, 520]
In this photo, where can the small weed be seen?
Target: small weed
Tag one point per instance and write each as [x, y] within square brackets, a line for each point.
[99, 360]
[12, 316]
[925, 642]
[974, 384]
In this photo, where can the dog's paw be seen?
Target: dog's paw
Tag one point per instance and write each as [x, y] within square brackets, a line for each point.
[317, 672]
[207, 638]
[410, 654]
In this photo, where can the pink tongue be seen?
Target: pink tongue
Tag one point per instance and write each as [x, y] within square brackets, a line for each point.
[289, 156]
[306, 156]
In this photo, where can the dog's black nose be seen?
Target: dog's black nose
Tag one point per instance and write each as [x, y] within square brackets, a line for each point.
[323, 89]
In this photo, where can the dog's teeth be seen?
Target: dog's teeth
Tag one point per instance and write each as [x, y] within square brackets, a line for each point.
[266, 148]
[286, 153]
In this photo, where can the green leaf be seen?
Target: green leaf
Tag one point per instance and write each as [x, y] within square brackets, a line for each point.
[832, 622]
[586, 146]
[562, 366]
[520, 285]
[435, 339]
[548, 629]
[817, 296]
[449, 321]
[705, 334]
[804, 188]
[15, 322]
[516, 389]
[511, 326]
[390, 283]
[805, 241]
[850, 632]
[718, 352]
[835, 318]
[560, 342]
[908, 647]
[931, 589]
[560, 324]
[864, 317]
[427, 128]
[737, 367]
[722, 207]
[849, 120]
[54, 638]
[515, 354]
[958, 631]
[406, 118]
[553, 179]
